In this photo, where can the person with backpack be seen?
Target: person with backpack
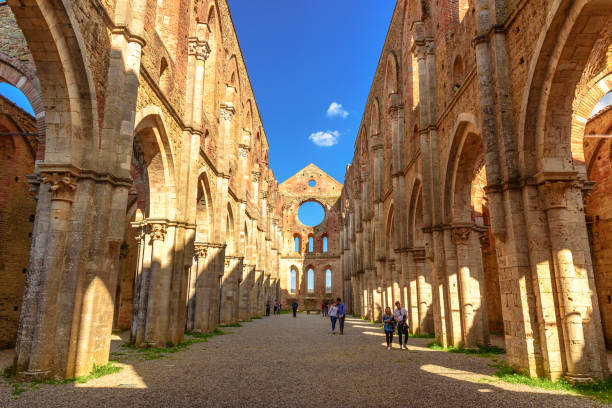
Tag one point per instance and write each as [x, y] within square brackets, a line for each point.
[401, 320]
[388, 326]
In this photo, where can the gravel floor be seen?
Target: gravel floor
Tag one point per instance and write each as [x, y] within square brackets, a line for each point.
[287, 362]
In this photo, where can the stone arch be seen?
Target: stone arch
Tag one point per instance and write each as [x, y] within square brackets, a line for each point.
[390, 229]
[205, 213]
[545, 121]
[583, 106]
[213, 63]
[467, 139]
[391, 75]
[415, 236]
[230, 233]
[22, 78]
[159, 159]
[375, 118]
[66, 83]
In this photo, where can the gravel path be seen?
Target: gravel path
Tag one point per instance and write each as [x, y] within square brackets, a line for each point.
[287, 362]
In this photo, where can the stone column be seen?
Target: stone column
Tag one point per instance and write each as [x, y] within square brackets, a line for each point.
[424, 295]
[471, 285]
[231, 289]
[573, 276]
[204, 305]
[246, 288]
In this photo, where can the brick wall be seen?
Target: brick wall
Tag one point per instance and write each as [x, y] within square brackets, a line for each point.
[17, 209]
[598, 155]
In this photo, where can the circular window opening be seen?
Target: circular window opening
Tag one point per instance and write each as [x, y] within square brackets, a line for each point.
[312, 183]
[311, 213]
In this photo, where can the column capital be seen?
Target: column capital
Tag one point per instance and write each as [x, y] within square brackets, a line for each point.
[62, 184]
[227, 111]
[158, 231]
[461, 234]
[200, 251]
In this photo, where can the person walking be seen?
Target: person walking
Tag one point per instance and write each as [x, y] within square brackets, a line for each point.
[333, 316]
[388, 326]
[278, 311]
[325, 309]
[294, 307]
[275, 306]
[401, 320]
[341, 314]
[267, 308]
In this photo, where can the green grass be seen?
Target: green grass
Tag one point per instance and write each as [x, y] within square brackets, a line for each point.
[231, 325]
[599, 390]
[153, 353]
[480, 350]
[256, 317]
[97, 372]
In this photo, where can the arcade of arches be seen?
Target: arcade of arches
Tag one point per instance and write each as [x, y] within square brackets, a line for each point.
[140, 196]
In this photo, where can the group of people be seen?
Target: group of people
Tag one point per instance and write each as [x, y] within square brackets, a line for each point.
[277, 308]
[396, 319]
[336, 313]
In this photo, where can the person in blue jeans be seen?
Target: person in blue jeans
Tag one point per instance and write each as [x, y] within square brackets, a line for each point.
[341, 314]
[333, 316]
[389, 326]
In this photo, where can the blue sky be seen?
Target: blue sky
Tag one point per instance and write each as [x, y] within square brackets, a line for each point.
[305, 58]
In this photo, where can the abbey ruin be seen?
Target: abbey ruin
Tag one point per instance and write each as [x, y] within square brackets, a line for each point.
[140, 195]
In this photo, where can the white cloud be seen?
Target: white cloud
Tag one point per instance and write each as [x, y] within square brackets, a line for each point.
[336, 109]
[325, 139]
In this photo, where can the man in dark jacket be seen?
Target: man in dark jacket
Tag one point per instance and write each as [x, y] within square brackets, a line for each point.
[294, 306]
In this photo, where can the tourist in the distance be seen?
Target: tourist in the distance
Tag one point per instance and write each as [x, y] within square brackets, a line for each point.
[275, 306]
[294, 307]
[341, 314]
[267, 308]
[325, 309]
[401, 320]
[279, 308]
[388, 326]
[333, 316]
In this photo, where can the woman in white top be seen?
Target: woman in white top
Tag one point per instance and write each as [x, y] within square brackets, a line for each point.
[333, 315]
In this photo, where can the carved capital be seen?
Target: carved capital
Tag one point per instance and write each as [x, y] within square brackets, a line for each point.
[202, 50]
[62, 185]
[227, 111]
[418, 255]
[553, 193]
[158, 231]
[255, 176]
[461, 235]
[243, 151]
[200, 251]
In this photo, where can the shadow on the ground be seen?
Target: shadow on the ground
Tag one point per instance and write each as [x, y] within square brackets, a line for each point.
[426, 377]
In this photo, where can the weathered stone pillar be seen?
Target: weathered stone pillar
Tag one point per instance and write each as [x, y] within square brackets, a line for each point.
[573, 275]
[230, 289]
[473, 314]
[424, 295]
[246, 288]
[203, 312]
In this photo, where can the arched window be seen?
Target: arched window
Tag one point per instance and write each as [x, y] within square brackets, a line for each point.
[292, 280]
[310, 281]
[296, 243]
[325, 243]
[310, 244]
[328, 281]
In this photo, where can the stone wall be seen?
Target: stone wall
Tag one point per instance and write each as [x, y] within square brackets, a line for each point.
[464, 196]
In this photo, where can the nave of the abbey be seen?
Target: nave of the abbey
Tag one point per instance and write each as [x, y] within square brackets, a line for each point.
[140, 195]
